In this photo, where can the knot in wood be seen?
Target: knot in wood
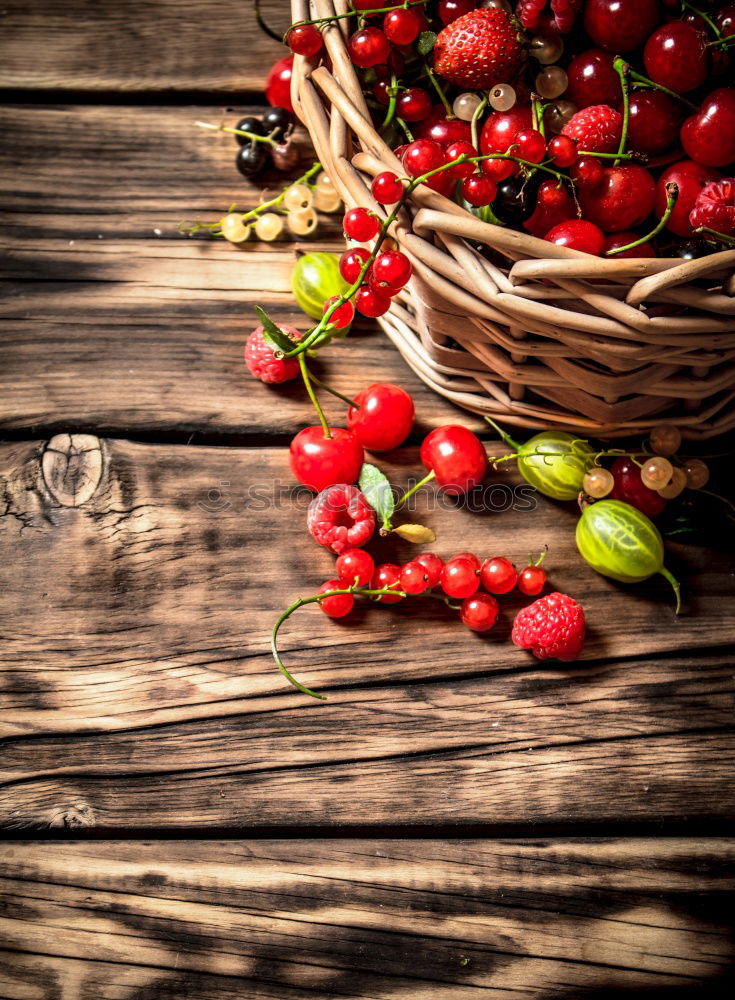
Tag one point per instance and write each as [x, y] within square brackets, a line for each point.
[72, 468]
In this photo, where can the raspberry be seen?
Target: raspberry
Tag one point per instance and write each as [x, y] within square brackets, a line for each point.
[715, 207]
[529, 12]
[596, 129]
[340, 518]
[262, 363]
[552, 628]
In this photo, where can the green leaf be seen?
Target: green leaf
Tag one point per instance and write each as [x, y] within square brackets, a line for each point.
[427, 41]
[378, 491]
[273, 334]
[419, 534]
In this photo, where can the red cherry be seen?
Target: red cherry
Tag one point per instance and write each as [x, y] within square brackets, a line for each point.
[654, 121]
[413, 104]
[367, 5]
[587, 172]
[387, 188]
[676, 57]
[339, 606]
[450, 10]
[456, 149]
[423, 155]
[690, 178]
[387, 575]
[620, 25]
[501, 127]
[479, 190]
[709, 136]
[414, 578]
[361, 225]
[433, 566]
[384, 418]
[390, 272]
[459, 577]
[479, 612]
[615, 240]
[351, 263]
[278, 84]
[371, 303]
[442, 129]
[563, 151]
[623, 199]
[355, 567]
[318, 462]
[498, 575]
[577, 234]
[304, 40]
[368, 47]
[592, 80]
[531, 581]
[630, 489]
[401, 26]
[456, 456]
[342, 317]
[529, 144]
[554, 204]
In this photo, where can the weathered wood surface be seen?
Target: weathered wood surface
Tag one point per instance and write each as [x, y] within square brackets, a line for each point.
[138, 46]
[365, 919]
[141, 690]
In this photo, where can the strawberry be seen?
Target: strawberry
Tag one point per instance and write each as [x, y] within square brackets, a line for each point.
[479, 49]
[596, 129]
[715, 207]
[552, 628]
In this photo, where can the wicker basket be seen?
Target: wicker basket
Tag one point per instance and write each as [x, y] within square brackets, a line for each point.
[552, 337]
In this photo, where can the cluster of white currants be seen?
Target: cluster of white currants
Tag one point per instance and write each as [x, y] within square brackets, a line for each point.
[296, 206]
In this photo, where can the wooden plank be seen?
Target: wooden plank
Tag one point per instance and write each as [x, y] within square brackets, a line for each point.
[374, 919]
[169, 45]
[140, 690]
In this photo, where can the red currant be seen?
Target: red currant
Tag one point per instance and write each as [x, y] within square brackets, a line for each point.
[456, 149]
[368, 47]
[384, 418]
[278, 84]
[304, 40]
[387, 189]
[459, 578]
[450, 10]
[414, 578]
[620, 25]
[355, 567]
[401, 27]
[371, 303]
[498, 575]
[387, 575]
[413, 105]
[423, 155]
[479, 612]
[444, 130]
[391, 270]
[563, 151]
[360, 225]
[471, 557]
[318, 462]
[501, 128]
[479, 191]
[531, 580]
[339, 606]
[554, 204]
[529, 144]
[456, 456]
[676, 57]
[351, 263]
[342, 317]
[587, 172]
[433, 566]
[592, 79]
[577, 234]
[497, 170]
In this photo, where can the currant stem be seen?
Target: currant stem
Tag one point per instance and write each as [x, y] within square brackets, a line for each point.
[672, 193]
[476, 119]
[621, 68]
[675, 586]
[438, 88]
[639, 78]
[334, 392]
[393, 95]
[312, 395]
[269, 140]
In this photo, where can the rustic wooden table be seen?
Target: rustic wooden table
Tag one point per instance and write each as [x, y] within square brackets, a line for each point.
[457, 820]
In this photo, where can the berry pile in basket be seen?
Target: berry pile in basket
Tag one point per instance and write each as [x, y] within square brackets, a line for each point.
[605, 126]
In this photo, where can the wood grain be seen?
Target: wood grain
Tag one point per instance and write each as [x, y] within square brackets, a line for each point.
[376, 919]
[139, 46]
[144, 692]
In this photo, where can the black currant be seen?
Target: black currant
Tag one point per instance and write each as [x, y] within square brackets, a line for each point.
[516, 199]
[251, 160]
[277, 120]
[249, 124]
[693, 249]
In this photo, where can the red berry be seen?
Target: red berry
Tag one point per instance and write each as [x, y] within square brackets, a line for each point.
[318, 462]
[690, 178]
[623, 199]
[413, 105]
[342, 317]
[620, 25]
[384, 418]
[479, 190]
[531, 580]
[529, 144]
[387, 575]
[596, 129]
[278, 84]
[654, 122]
[630, 488]
[351, 263]
[414, 578]
[371, 303]
[479, 612]
[676, 57]
[261, 361]
[552, 628]
[360, 225]
[401, 26]
[587, 172]
[387, 188]
[615, 240]
[423, 155]
[498, 575]
[498, 170]
[715, 207]
[471, 557]
[355, 567]
[304, 40]
[340, 518]
[554, 204]
[456, 456]
[563, 151]
[501, 128]
[593, 80]
[368, 47]
[456, 149]
[444, 130]
[450, 10]
[479, 49]
[709, 136]
[339, 606]
[529, 13]
[391, 270]
[459, 578]
[577, 234]
[433, 566]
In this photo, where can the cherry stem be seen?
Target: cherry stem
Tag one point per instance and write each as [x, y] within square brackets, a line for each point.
[268, 139]
[705, 17]
[406, 130]
[540, 558]
[505, 438]
[312, 395]
[359, 13]
[476, 119]
[672, 193]
[414, 489]
[722, 237]
[621, 68]
[262, 23]
[334, 392]
[438, 88]
[639, 78]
